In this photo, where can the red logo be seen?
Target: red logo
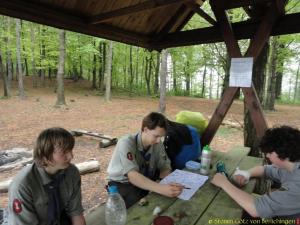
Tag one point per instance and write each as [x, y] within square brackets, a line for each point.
[17, 206]
[129, 156]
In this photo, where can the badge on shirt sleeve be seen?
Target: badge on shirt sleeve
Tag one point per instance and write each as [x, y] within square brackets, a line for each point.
[129, 156]
[17, 206]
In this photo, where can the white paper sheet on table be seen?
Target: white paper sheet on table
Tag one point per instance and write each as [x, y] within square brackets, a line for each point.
[188, 179]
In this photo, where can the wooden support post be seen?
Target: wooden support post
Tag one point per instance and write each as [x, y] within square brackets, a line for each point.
[256, 45]
[219, 115]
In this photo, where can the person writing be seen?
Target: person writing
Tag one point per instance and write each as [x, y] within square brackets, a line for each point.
[48, 192]
[139, 160]
[281, 146]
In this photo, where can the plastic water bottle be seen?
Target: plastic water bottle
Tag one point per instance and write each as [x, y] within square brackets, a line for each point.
[115, 209]
[205, 160]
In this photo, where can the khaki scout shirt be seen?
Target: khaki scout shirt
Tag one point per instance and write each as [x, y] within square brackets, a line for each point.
[28, 199]
[128, 156]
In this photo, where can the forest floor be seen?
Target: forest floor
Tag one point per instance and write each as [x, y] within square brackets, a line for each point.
[22, 120]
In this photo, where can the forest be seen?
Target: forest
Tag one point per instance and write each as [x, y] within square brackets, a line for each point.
[29, 49]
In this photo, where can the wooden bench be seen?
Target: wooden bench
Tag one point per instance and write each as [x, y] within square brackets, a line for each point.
[208, 205]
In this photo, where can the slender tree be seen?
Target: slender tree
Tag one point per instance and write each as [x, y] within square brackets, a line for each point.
[163, 81]
[20, 73]
[108, 72]
[61, 67]
[4, 78]
[8, 54]
[32, 39]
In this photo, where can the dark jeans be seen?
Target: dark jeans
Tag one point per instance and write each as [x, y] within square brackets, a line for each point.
[130, 193]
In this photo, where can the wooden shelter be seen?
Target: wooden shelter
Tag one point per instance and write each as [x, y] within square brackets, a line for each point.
[158, 24]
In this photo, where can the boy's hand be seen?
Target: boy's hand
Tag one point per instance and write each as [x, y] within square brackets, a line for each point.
[219, 179]
[241, 177]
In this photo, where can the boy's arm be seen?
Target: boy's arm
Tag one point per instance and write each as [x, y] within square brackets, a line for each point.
[139, 180]
[257, 171]
[245, 200]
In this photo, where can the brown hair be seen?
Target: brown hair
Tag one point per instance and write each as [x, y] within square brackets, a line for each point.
[153, 120]
[49, 140]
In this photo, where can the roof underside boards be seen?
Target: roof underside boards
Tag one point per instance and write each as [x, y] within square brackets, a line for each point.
[153, 24]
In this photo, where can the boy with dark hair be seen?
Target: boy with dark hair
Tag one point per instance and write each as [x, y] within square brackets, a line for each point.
[281, 146]
[48, 192]
[139, 160]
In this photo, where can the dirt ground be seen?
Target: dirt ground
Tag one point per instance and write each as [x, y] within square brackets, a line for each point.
[22, 120]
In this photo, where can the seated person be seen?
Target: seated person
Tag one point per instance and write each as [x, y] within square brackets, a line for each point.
[182, 143]
[139, 160]
[48, 192]
[281, 146]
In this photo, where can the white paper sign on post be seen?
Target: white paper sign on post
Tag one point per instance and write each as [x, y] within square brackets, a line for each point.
[241, 72]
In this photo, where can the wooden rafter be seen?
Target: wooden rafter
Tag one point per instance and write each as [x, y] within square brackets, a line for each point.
[63, 20]
[201, 12]
[226, 29]
[150, 4]
[170, 24]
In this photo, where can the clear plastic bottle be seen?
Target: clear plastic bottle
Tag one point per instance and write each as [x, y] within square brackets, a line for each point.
[205, 160]
[115, 209]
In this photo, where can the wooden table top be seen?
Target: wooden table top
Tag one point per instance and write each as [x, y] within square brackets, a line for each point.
[209, 205]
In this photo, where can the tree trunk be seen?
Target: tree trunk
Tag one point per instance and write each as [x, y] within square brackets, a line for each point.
[258, 79]
[108, 72]
[9, 67]
[297, 89]
[187, 78]
[4, 78]
[156, 75]
[94, 80]
[148, 72]
[20, 73]
[61, 67]
[203, 82]
[103, 67]
[137, 67]
[163, 81]
[130, 71]
[174, 75]
[270, 98]
[32, 39]
[43, 56]
[210, 84]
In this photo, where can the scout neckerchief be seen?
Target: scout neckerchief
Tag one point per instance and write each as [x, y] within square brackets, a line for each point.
[54, 204]
[146, 165]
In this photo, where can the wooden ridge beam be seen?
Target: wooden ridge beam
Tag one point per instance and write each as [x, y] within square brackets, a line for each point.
[65, 20]
[150, 4]
[196, 8]
[289, 24]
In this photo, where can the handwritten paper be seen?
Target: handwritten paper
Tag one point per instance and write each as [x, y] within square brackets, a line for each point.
[241, 72]
[190, 180]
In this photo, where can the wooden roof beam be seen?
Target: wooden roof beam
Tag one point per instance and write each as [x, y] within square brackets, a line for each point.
[64, 20]
[150, 4]
[232, 4]
[288, 24]
[196, 8]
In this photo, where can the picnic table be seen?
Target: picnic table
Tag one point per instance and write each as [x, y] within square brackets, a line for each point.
[209, 205]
